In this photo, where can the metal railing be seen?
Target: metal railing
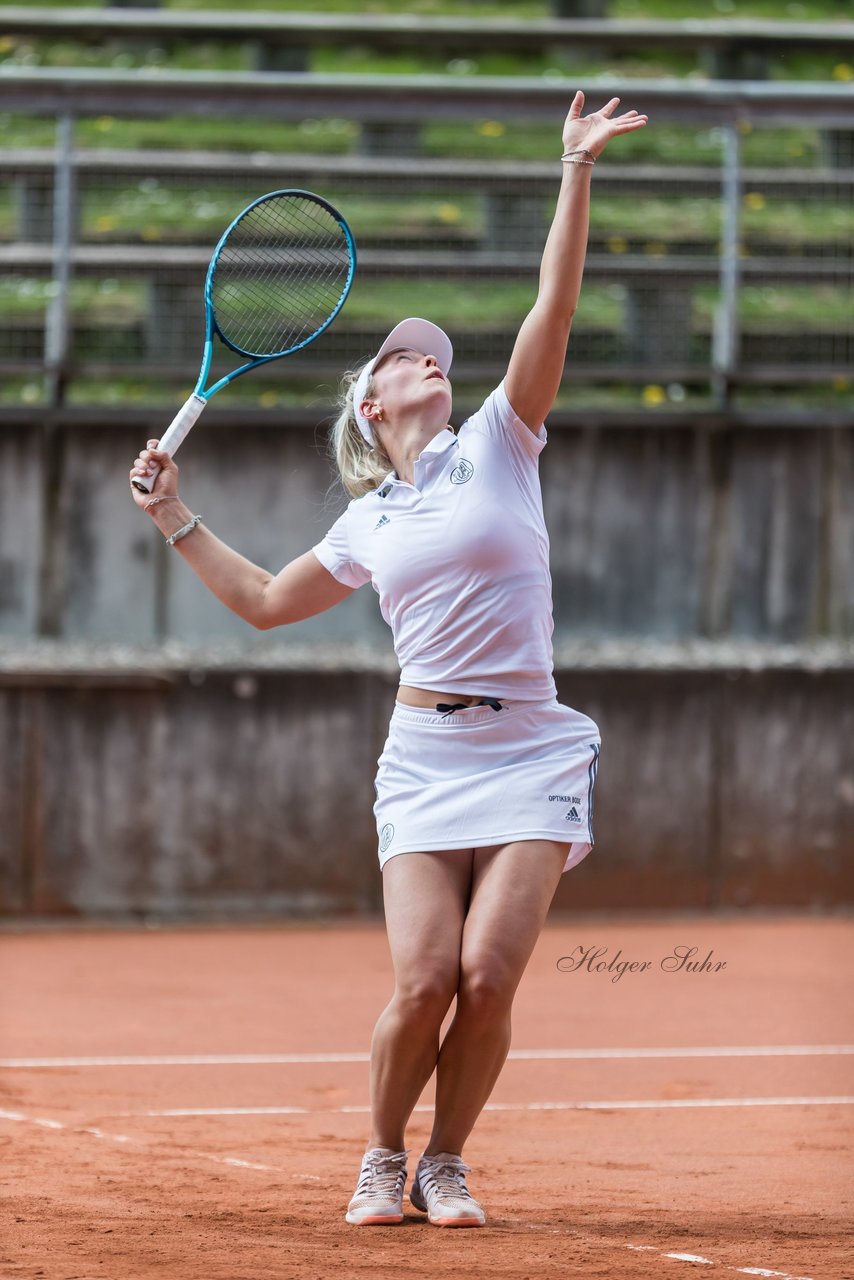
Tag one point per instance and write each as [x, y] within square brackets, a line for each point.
[693, 281]
[725, 47]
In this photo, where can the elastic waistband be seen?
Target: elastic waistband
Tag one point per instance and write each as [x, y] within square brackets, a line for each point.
[467, 715]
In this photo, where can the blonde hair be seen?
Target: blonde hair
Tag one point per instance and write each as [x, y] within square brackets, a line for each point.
[361, 466]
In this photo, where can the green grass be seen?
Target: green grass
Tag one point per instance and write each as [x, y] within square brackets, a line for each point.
[649, 62]
[155, 210]
[188, 133]
[489, 305]
[502, 140]
[318, 396]
[555, 65]
[793, 223]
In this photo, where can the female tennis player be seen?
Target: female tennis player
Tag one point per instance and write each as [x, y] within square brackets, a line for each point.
[485, 783]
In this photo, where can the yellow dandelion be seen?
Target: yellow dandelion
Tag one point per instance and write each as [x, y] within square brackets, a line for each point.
[745, 126]
[268, 399]
[449, 213]
[653, 394]
[841, 383]
[104, 123]
[6, 44]
[617, 244]
[796, 149]
[105, 223]
[842, 71]
[655, 249]
[151, 233]
[491, 129]
[754, 200]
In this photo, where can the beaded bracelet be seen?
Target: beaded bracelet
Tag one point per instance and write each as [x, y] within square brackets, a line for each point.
[580, 151]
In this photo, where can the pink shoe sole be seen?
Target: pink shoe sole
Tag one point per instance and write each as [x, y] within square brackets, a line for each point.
[378, 1220]
[456, 1222]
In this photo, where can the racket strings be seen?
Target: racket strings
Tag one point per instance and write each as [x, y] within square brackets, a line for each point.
[256, 315]
[280, 274]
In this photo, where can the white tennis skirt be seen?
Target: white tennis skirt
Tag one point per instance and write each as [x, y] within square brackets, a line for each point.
[480, 777]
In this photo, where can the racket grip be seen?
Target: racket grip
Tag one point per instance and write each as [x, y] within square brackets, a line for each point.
[178, 428]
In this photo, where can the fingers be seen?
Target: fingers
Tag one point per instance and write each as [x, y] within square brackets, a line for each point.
[577, 104]
[624, 124]
[147, 459]
[608, 109]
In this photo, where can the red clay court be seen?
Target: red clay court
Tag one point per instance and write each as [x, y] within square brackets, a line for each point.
[192, 1103]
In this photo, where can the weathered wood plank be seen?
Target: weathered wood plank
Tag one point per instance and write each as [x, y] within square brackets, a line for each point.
[627, 532]
[786, 789]
[109, 574]
[656, 843]
[15, 793]
[840, 534]
[222, 796]
[20, 530]
[775, 537]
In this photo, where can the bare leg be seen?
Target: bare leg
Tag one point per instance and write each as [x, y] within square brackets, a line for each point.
[512, 889]
[426, 896]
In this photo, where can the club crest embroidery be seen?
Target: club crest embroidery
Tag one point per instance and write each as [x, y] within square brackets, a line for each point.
[386, 837]
[462, 472]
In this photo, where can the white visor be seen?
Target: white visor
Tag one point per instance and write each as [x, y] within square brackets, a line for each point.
[418, 334]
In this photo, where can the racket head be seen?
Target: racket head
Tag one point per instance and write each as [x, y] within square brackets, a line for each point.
[279, 274]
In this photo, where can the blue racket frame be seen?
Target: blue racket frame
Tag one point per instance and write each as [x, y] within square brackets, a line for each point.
[211, 326]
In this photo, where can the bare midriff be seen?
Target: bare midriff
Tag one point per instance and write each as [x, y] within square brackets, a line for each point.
[429, 697]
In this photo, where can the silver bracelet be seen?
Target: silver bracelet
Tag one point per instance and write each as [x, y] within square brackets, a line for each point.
[161, 497]
[182, 533]
[570, 156]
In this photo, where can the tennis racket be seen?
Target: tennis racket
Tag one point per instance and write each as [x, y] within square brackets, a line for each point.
[277, 279]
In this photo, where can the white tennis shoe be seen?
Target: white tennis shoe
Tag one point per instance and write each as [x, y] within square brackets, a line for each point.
[440, 1191]
[378, 1200]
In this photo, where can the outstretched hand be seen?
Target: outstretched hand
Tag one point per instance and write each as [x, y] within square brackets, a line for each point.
[595, 131]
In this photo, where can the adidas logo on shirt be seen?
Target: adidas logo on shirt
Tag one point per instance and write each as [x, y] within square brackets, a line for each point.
[382, 520]
[572, 816]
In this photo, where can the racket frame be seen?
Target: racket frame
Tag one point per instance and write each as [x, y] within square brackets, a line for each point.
[211, 326]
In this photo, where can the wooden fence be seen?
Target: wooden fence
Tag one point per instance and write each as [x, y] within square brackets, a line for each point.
[734, 529]
[170, 792]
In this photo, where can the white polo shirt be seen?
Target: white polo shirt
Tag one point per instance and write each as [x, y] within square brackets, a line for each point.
[460, 559]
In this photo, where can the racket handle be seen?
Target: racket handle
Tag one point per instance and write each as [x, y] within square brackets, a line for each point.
[178, 428]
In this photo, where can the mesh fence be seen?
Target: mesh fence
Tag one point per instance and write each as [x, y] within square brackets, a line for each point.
[715, 256]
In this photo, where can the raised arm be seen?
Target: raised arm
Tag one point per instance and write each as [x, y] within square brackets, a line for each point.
[536, 365]
[303, 588]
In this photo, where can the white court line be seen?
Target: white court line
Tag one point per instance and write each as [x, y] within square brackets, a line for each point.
[521, 1055]
[41, 1123]
[763, 1271]
[651, 1103]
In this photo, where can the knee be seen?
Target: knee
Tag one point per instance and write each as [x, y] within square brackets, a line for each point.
[486, 990]
[426, 996]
